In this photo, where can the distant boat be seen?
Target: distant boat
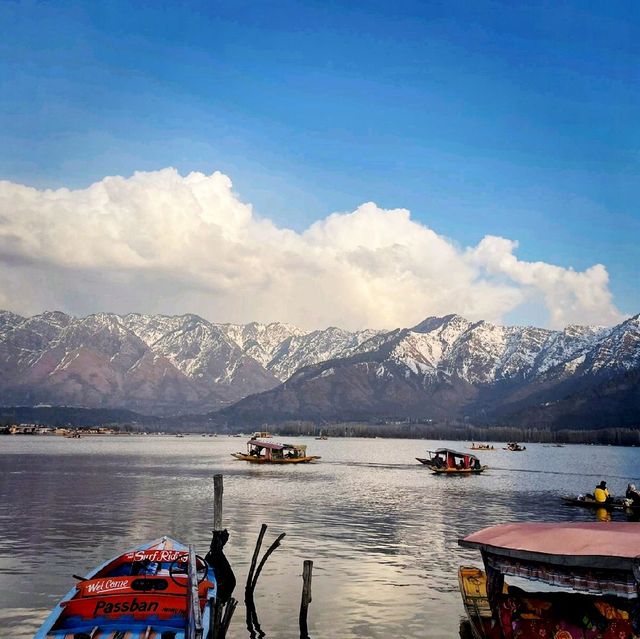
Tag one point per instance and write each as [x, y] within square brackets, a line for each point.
[514, 447]
[445, 461]
[260, 452]
[321, 436]
[481, 447]
[147, 592]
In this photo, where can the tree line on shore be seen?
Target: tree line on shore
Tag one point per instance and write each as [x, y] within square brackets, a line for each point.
[127, 421]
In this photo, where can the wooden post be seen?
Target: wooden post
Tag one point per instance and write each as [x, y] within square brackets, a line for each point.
[218, 489]
[306, 597]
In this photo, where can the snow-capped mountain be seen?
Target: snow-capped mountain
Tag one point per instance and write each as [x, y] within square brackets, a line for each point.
[449, 366]
[203, 352]
[152, 363]
[444, 366]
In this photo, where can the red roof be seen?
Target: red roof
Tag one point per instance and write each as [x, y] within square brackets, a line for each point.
[595, 544]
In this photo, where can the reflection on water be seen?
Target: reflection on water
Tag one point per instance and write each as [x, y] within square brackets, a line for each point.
[381, 530]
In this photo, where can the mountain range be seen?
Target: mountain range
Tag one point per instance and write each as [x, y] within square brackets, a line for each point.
[443, 368]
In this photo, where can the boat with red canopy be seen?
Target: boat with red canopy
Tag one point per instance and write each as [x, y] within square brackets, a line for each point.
[588, 576]
[161, 590]
[260, 452]
[445, 461]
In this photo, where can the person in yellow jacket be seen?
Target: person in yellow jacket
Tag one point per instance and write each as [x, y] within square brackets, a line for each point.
[601, 494]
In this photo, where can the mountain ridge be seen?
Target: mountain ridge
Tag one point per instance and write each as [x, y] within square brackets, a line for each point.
[441, 367]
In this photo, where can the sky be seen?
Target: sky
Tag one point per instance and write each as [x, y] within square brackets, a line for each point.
[322, 163]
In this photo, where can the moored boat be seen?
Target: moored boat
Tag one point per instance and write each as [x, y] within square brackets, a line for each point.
[161, 590]
[259, 452]
[589, 576]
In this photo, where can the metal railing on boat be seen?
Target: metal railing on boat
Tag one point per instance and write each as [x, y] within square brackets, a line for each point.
[194, 623]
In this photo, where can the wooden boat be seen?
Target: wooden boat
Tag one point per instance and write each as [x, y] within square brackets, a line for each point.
[514, 447]
[160, 590]
[481, 447]
[586, 501]
[473, 588]
[588, 573]
[444, 461]
[259, 452]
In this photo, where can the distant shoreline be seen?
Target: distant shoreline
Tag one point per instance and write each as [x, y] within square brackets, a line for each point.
[120, 422]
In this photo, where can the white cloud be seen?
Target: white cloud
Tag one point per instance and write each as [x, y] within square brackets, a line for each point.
[160, 242]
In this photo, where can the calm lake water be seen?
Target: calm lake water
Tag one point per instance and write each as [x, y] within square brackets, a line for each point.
[381, 530]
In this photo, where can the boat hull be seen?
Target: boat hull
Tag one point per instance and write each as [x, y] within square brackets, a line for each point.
[459, 471]
[595, 505]
[113, 600]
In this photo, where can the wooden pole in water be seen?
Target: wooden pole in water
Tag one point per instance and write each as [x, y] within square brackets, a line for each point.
[306, 597]
[218, 489]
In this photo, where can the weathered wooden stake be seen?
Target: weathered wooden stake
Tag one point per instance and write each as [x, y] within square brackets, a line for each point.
[254, 560]
[307, 571]
[266, 556]
[218, 489]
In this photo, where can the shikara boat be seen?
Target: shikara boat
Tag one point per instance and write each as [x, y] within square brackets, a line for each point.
[585, 501]
[588, 575]
[481, 447]
[444, 461]
[514, 447]
[160, 590]
[259, 452]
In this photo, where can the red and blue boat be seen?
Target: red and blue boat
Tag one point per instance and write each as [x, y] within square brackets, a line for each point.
[161, 590]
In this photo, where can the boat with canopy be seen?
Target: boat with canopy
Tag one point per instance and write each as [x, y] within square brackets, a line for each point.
[556, 580]
[445, 461]
[161, 590]
[260, 452]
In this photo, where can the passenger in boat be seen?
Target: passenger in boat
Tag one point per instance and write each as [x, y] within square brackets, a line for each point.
[633, 494]
[476, 464]
[601, 494]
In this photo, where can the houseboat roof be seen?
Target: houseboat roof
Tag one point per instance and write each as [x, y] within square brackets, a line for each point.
[611, 546]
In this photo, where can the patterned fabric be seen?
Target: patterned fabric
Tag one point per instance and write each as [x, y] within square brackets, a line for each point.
[616, 583]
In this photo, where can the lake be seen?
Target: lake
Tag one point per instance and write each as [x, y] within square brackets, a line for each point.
[381, 530]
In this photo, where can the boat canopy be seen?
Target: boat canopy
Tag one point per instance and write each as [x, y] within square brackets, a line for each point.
[269, 445]
[455, 453]
[613, 546]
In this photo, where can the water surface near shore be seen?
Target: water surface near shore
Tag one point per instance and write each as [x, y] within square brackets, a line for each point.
[381, 529]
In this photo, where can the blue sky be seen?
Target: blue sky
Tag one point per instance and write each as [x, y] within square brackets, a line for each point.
[513, 119]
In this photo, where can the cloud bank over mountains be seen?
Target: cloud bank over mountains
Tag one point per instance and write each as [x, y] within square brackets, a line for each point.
[159, 242]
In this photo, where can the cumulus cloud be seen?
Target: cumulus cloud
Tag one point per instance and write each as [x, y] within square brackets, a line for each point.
[161, 242]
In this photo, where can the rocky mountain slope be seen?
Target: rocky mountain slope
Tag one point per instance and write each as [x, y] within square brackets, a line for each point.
[442, 368]
[451, 367]
[152, 363]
